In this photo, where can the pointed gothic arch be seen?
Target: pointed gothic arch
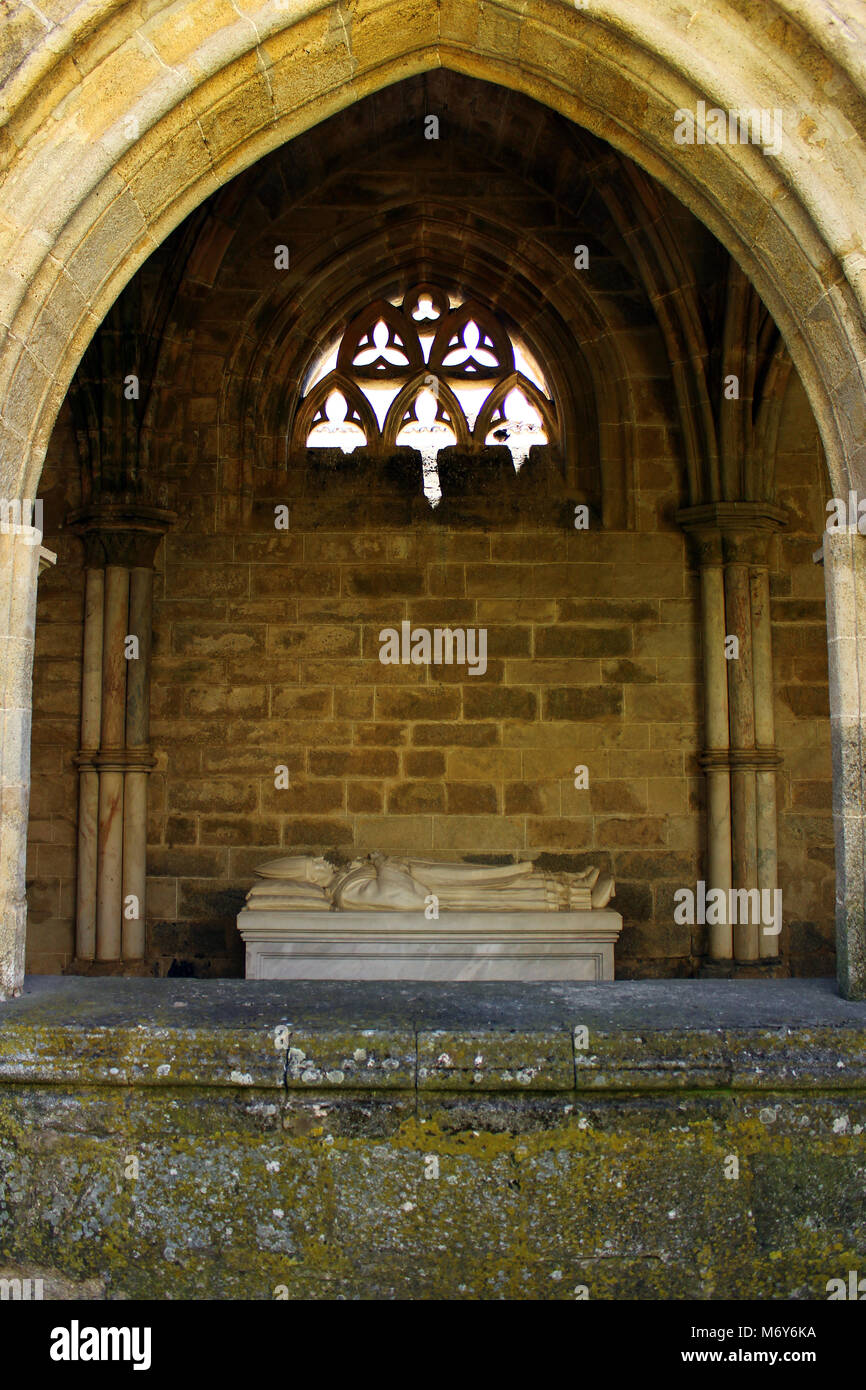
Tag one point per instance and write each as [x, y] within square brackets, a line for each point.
[212, 92]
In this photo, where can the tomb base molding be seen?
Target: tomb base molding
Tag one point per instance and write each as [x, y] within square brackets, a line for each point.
[528, 946]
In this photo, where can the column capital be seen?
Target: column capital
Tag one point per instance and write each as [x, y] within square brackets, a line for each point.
[732, 532]
[121, 533]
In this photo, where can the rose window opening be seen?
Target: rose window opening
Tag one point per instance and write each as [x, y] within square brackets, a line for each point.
[429, 372]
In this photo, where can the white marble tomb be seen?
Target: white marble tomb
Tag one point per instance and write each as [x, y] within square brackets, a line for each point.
[412, 919]
[405, 946]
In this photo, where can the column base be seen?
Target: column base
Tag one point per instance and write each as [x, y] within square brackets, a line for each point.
[716, 970]
[107, 969]
[771, 969]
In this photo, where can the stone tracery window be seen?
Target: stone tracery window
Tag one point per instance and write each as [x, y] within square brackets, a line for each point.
[428, 372]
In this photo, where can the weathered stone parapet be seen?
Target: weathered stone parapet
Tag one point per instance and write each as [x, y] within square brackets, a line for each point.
[223, 1139]
[510, 1037]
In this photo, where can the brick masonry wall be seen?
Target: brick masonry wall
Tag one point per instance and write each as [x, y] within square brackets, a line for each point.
[266, 653]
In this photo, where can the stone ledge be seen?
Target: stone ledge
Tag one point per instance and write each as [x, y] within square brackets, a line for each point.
[361, 1141]
[791, 1035]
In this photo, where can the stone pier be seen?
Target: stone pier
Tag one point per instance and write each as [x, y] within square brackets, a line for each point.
[114, 759]
[22, 560]
[740, 757]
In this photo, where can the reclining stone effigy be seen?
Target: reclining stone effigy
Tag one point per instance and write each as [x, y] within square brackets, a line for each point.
[378, 918]
[381, 883]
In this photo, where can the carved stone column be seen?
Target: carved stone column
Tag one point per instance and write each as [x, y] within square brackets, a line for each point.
[111, 764]
[120, 542]
[22, 560]
[741, 710]
[766, 762]
[88, 777]
[739, 759]
[138, 764]
[715, 760]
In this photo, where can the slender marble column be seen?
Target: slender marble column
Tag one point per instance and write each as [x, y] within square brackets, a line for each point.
[135, 787]
[741, 700]
[109, 900]
[765, 739]
[88, 776]
[716, 735]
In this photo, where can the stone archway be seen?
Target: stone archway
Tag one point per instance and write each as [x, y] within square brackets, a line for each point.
[116, 129]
